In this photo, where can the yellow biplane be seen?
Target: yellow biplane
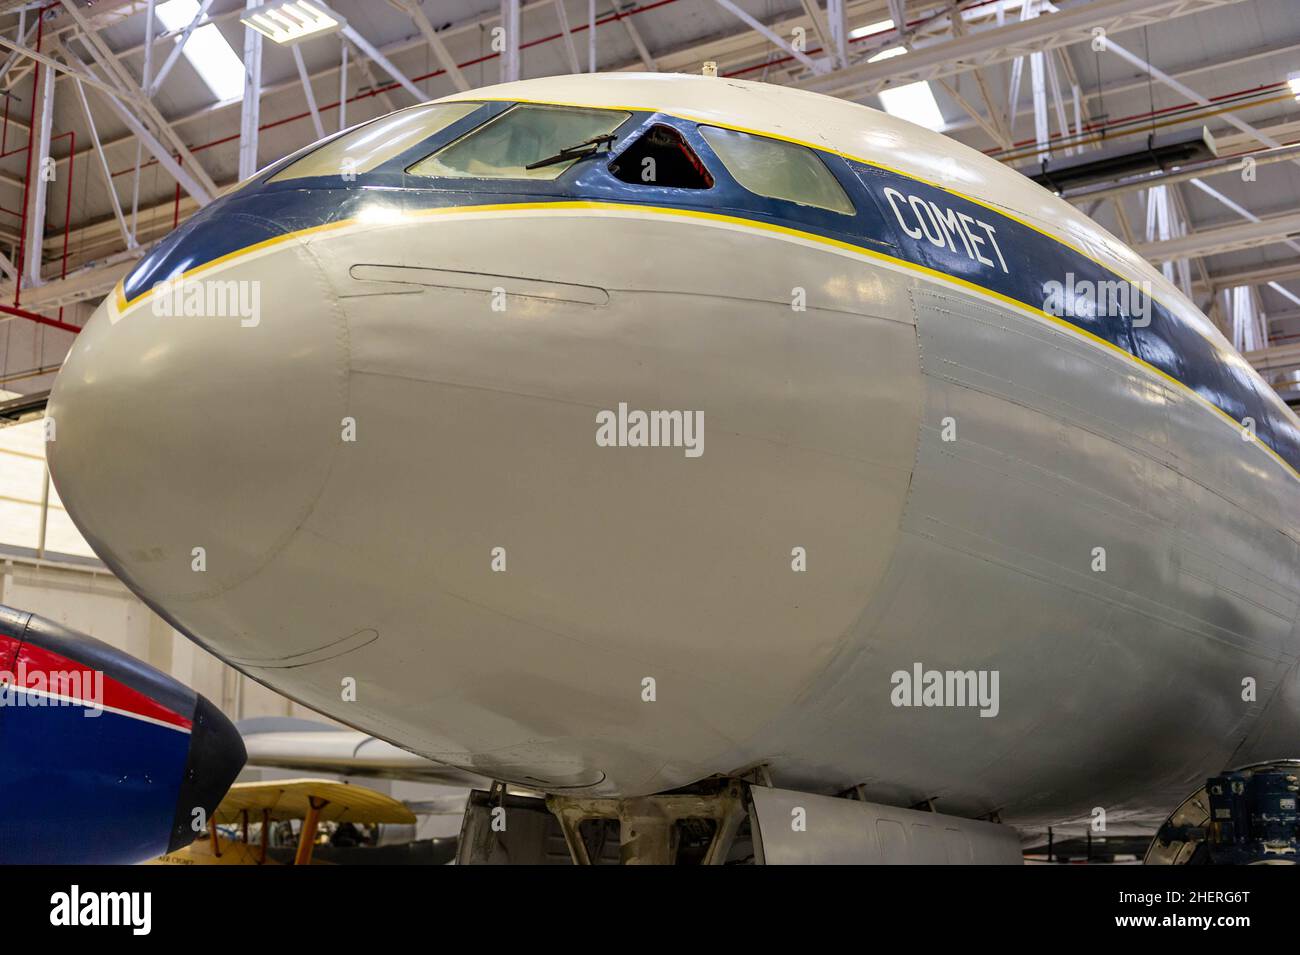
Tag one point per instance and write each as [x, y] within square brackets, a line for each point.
[313, 801]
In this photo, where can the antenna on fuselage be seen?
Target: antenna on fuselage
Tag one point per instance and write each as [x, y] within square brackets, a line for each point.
[710, 68]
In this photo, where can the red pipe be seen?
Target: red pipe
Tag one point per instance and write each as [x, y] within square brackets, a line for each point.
[39, 319]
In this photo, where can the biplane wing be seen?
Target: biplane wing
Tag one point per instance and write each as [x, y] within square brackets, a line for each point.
[312, 800]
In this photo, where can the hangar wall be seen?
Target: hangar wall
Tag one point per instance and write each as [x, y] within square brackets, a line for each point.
[92, 600]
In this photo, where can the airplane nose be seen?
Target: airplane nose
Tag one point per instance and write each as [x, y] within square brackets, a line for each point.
[228, 387]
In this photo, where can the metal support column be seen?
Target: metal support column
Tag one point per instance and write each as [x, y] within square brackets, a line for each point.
[343, 84]
[127, 237]
[307, 91]
[510, 38]
[36, 219]
[251, 112]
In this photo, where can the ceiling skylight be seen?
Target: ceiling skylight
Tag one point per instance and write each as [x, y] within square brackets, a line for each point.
[207, 50]
[913, 102]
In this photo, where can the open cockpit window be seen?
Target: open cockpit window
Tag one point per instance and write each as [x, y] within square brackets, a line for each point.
[661, 157]
[778, 169]
[527, 141]
[370, 146]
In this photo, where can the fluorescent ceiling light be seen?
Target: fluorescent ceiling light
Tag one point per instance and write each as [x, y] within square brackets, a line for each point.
[888, 54]
[288, 21]
[206, 49]
[879, 26]
[974, 13]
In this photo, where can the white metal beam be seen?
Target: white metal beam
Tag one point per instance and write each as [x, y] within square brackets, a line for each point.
[15, 55]
[510, 39]
[36, 216]
[1038, 84]
[366, 47]
[178, 172]
[1054, 85]
[146, 81]
[127, 89]
[1223, 239]
[202, 192]
[307, 91]
[999, 132]
[1235, 207]
[127, 237]
[250, 111]
[779, 41]
[985, 124]
[814, 11]
[412, 9]
[643, 51]
[175, 54]
[49, 61]
[380, 89]
[343, 84]
[114, 71]
[1280, 272]
[570, 49]
[837, 24]
[999, 44]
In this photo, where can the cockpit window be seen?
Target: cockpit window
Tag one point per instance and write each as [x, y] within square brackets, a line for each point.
[661, 157]
[375, 143]
[549, 139]
[778, 170]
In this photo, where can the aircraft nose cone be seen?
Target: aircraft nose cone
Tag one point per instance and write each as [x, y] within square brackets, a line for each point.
[215, 757]
[193, 427]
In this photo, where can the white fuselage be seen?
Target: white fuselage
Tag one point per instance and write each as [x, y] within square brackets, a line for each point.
[478, 579]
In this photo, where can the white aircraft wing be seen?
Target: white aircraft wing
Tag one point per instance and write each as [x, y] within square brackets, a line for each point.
[316, 747]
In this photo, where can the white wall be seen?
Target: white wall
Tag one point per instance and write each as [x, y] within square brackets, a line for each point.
[93, 601]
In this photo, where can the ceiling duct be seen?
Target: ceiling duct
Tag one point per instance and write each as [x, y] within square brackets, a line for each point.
[1159, 152]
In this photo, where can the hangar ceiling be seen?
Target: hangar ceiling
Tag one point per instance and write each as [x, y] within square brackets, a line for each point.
[146, 94]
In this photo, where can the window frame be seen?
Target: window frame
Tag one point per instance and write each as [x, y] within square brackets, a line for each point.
[628, 115]
[270, 178]
[689, 137]
[808, 208]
